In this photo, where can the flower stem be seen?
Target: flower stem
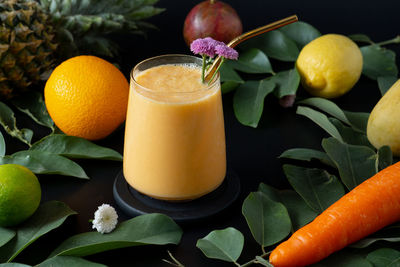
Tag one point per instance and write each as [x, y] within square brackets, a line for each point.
[203, 69]
[395, 40]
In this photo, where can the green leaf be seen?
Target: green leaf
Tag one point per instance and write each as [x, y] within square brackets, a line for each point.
[385, 82]
[13, 264]
[384, 158]
[355, 163]
[32, 104]
[363, 243]
[357, 120]
[360, 38]
[268, 220]
[300, 213]
[343, 259]
[378, 61]
[276, 45]
[155, 229]
[68, 261]
[47, 217]
[9, 123]
[388, 234]
[326, 106]
[307, 154]
[2, 145]
[45, 163]
[252, 61]
[228, 74]
[320, 119]
[229, 86]
[317, 187]
[248, 101]
[6, 235]
[300, 32]
[384, 257]
[226, 245]
[351, 136]
[287, 82]
[271, 192]
[74, 147]
[26, 134]
[263, 262]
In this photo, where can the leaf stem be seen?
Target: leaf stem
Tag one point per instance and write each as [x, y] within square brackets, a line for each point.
[175, 261]
[395, 40]
[255, 260]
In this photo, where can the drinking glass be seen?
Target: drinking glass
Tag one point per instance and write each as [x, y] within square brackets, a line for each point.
[174, 146]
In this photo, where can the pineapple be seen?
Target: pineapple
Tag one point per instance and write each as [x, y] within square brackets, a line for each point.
[35, 35]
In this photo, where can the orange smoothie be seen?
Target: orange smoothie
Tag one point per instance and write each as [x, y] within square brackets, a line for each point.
[174, 138]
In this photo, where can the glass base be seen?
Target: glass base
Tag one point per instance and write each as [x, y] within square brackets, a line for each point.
[134, 203]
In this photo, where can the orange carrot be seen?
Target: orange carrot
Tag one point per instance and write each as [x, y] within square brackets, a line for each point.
[370, 206]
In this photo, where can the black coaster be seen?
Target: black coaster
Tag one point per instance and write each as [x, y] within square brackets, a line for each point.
[134, 203]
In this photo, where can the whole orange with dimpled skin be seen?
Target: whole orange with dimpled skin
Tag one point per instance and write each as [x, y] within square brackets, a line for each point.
[87, 97]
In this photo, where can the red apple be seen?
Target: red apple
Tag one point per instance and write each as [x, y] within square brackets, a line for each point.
[214, 19]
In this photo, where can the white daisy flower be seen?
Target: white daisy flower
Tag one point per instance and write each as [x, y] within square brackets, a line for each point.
[105, 219]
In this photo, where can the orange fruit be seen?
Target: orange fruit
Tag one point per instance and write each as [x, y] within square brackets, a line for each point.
[87, 97]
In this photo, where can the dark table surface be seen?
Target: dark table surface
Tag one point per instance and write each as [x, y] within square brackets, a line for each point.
[253, 153]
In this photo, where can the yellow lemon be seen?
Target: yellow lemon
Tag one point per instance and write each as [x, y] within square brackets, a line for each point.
[20, 194]
[330, 65]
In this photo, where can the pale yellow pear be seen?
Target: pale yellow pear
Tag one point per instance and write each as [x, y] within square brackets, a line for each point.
[384, 122]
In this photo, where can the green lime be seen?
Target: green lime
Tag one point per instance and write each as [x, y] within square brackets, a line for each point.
[20, 194]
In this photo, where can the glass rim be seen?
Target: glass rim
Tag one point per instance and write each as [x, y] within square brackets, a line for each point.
[209, 86]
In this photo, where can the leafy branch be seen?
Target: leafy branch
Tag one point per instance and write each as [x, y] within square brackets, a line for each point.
[150, 229]
[347, 160]
[53, 153]
[284, 45]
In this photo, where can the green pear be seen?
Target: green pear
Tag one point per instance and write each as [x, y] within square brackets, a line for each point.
[384, 121]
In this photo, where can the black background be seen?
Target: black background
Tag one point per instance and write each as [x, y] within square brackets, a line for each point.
[253, 153]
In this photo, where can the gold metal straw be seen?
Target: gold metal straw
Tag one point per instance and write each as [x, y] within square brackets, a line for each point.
[248, 35]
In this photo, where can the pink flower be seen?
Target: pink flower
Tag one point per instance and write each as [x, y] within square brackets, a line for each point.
[205, 46]
[208, 48]
[226, 52]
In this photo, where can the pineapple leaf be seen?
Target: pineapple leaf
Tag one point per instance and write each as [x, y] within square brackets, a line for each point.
[68, 47]
[83, 22]
[150, 2]
[102, 46]
[107, 23]
[146, 25]
[145, 12]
